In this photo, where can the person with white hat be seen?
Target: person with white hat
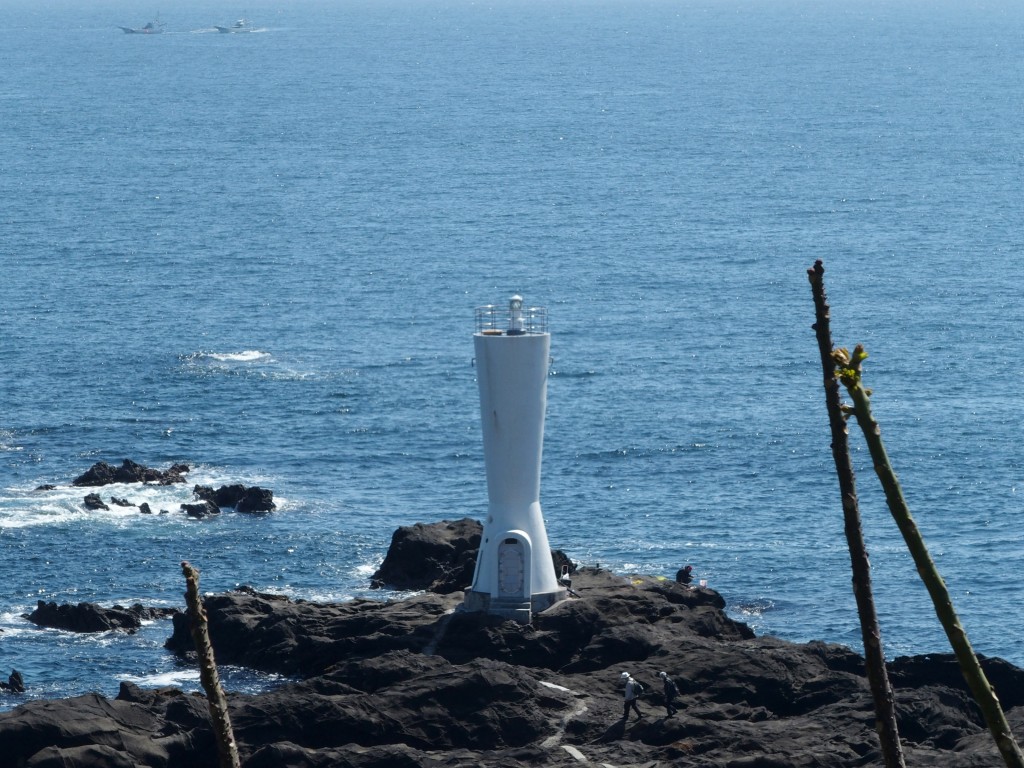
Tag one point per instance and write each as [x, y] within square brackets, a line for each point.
[671, 691]
[632, 693]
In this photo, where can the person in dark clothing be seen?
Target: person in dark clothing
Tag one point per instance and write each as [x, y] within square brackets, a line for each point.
[632, 693]
[671, 691]
[685, 575]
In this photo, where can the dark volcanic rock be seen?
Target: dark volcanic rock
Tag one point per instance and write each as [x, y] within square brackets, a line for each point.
[93, 501]
[102, 473]
[439, 557]
[99, 473]
[200, 509]
[89, 617]
[943, 669]
[256, 499]
[15, 683]
[225, 496]
[304, 638]
[408, 680]
[420, 701]
[420, 683]
[93, 731]
[239, 497]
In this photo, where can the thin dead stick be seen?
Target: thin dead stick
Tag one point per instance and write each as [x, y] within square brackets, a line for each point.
[218, 703]
[849, 372]
[874, 657]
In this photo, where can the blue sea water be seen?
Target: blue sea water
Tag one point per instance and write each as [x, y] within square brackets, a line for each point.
[259, 254]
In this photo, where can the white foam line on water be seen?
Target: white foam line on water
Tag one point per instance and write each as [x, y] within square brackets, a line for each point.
[161, 679]
[67, 505]
[247, 356]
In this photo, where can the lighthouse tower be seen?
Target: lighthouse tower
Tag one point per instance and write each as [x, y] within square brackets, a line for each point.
[515, 576]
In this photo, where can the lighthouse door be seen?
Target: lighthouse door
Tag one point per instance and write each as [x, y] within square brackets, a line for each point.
[510, 568]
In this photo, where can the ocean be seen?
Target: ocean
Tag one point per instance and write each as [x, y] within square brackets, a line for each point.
[259, 254]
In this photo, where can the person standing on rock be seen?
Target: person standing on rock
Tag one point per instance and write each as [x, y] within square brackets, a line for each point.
[671, 691]
[632, 693]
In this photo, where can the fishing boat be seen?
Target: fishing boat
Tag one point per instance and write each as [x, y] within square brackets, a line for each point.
[152, 28]
[242, 25]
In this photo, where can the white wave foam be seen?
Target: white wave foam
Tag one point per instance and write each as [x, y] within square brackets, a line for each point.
[248, 356]
[366, 570]
[66, 504]
[227, 361]
[161, 679]
[252, 362]
[13, 623]
[324, 596]
[23, 515]
[753, 609]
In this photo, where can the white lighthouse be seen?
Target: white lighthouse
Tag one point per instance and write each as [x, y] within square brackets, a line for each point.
[515, 576]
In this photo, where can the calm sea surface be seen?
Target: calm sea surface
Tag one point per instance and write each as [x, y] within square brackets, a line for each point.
[259, 254]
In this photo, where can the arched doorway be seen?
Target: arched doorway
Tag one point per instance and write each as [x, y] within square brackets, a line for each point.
[511, 568]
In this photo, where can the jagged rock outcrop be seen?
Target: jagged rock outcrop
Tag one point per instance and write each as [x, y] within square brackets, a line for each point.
[15, 682]
[200, 509]
[90, 617]
[439, 557]
[102, 473]
[93, 501]
[241, 498]
[256, 500]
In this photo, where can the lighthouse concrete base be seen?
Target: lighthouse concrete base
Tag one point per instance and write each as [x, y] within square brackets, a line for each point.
[516, 609]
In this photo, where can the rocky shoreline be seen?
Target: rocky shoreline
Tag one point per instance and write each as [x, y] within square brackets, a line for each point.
[417, 683]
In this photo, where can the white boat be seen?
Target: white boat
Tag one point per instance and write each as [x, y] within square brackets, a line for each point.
[242, 25]
[152, 28]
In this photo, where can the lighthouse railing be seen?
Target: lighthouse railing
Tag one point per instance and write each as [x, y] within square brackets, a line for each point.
[495, 319]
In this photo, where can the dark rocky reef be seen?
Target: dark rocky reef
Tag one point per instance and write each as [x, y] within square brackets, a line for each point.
[298, 638]
[102, 473]
[241, 498]
[418, 682]
[90, 617]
